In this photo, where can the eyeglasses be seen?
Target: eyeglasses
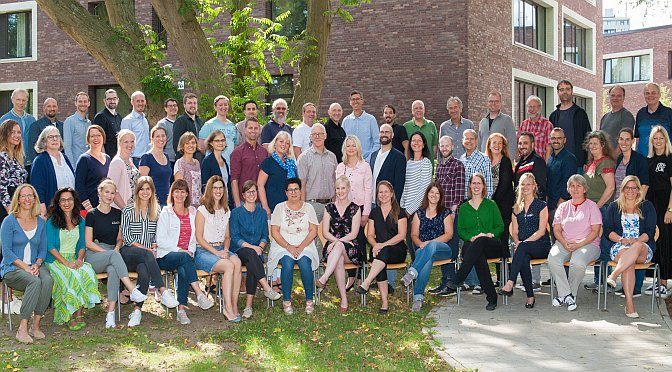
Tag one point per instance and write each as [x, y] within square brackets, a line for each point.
[280, 108]
[52, 137]
[251, 192]
[318, 134]
[27, 197]
[219, 140]
[171, 106]
[217, 188]
[631, 188]
[294, 189]
[66, 200]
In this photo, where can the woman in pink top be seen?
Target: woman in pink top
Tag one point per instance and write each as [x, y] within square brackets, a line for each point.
[122, 171]
[359, 173]
[576, 227]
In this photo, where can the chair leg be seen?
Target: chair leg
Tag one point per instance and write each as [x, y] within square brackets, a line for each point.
[656, 278]
[316, 274]
[599, 285]
[363, 271]
[552, 286]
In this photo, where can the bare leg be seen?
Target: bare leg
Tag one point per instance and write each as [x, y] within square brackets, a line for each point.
[628, 280]
[237, 278]
[627, 258]
[332, 260]
[376, 267]
[508, 287]
[225, 267]
[382, 286]
[340, 280]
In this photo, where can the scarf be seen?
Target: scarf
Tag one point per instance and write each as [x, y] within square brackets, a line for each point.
[289, 165]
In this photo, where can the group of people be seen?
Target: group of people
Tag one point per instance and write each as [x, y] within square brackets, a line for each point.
[189, 195]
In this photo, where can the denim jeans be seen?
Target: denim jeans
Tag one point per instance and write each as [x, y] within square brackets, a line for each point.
[448, 271]
[186, 272]
[287, 276]
[422, 265]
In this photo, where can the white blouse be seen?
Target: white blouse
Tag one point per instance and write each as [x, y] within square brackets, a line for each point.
[215, 224]
[64, 175]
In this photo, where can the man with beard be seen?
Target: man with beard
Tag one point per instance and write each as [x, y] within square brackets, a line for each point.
[110, 120]
[388, 163]
[530, 162]
[496, 121]
[187, 122]
[400, 138]
[250, 109]
[277, 123]
[450, 176]
[456, 125]
[475, 161]
[574, 122]
[245, 159]
[50, 109]
[335, 132]
[561, 165]
[74, 129]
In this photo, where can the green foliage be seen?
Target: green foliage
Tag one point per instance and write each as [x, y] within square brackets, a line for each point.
[159, 83]
[665, 97]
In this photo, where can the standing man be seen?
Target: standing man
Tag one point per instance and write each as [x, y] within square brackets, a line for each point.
[110, 120]
[222, 123]
[400, 139]
[277, 123]
[316, 168]
[245, 159]
[420, 124]
[137, 123]
[574, 122]
[388, 163]
[450, 176]
[654, 113]
[618, 118]
[335, 132]
[455, 126]
[561, 165]
[50, 109]
[250, 109]
[496, 122]
[475, 161]
[74, 129]
[171, 107]
[18, 113]
[187, 122]
[363, 125]
[539, 126]
[530, 162]
[302, 134]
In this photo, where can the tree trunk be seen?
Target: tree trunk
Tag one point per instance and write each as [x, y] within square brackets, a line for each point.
[313, 63]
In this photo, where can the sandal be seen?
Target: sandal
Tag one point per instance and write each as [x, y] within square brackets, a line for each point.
[287, 307]
[310, 307]
[81, 321]
[76, 327]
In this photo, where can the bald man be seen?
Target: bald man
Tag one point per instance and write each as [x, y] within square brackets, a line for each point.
[335, 132]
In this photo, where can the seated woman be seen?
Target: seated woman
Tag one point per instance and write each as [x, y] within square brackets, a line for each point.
[386, 233]
[576, 227]
[629, 225]
[479, 225]
[75, 282]
[340, 227]
[431, 230]
[294, 228]
[176, 244]
[248, 228]
[103, 242]
[24, 248]
[138, 230]
[530, 238]
[213, 242]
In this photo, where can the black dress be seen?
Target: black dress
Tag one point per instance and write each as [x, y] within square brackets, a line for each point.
[386, 228]
[660, 171]
[340, 226]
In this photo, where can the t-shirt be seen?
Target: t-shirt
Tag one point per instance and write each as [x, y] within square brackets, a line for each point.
[660, 171]
[230, 133]
[105, 225]
[577, 221]
[27, 256]
[613, 122]
[400, 136]
[301, 137]
[593, 174]
[386, 228]
[646, 121]
[185, 231]
[160, 174]
[566, 122]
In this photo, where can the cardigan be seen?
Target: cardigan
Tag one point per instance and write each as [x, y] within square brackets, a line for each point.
[638, 166]
[210, 167]
[14, 241]
[612, 223]
[247, 227]
[484, 220]
[119, 175]
[88, 174]
[54, 239]
[43, 177]
[168, 232]
[504, 195]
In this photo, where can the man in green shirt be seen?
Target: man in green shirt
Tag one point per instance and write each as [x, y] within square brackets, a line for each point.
[420, 124]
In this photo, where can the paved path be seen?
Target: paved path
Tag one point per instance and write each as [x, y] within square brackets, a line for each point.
[514, 338]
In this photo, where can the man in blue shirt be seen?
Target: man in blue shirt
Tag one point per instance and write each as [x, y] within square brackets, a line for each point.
[277, 123]
[137, 123]
[654, 113]
[363, 125]
[74, 129]
[18, 113]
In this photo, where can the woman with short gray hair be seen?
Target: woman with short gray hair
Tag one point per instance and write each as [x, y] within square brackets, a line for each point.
[51, 169]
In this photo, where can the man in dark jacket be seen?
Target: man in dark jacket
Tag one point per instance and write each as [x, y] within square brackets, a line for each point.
[530, 162]
[573, 120]
[110, 120]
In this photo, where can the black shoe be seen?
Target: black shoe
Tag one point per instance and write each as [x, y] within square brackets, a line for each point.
[348, 288]
[530, 306]
[436, 290]
[497, 284]
[383, 311]
[360, 290]
[451, 285]
[491, 306]
[390, 290]
[505, 293]
[447, 292]
[546, 282]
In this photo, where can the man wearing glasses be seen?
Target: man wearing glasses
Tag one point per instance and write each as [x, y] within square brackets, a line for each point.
[110, 120]
[277, 123]
[316, 168]
[363, 125]
[497, 122]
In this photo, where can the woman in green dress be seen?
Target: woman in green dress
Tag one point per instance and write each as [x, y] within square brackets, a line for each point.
[75, 282]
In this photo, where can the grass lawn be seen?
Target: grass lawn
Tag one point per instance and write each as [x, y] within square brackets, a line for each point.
[360, 339]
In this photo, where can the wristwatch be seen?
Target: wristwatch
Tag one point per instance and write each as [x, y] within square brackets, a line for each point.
[669, 209]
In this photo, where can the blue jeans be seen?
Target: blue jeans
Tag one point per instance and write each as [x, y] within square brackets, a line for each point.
[422, 265]
[448, 271]
[287, 276]
[186, 272]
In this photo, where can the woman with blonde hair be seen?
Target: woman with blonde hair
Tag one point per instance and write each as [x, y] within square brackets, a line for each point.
[12, 172]
[122, 171]
[275, 170]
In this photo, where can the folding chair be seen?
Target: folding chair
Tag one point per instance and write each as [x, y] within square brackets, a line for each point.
[6, 298]
[599, 287]
[269, 277]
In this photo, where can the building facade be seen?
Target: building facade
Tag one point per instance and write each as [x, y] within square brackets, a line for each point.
[394, 52]
[612, 24]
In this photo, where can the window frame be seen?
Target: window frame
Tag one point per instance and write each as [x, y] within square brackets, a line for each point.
[632, 53]
[590, 39]
[549, 100]
[20, 7]
[550, 29]
[27, 85]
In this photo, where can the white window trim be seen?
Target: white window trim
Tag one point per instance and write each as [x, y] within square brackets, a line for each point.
[529, 77]
[630, 53]
[579, 20]
[551, 5]
[27, 85]
[23, 6]
[589, 94]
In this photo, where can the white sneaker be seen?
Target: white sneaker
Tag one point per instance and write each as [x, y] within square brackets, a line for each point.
[649, 290]
[135, 318]
[168, 300]
[662, 291]
[571, 302]
[557, 302]
[182, 317]
[477, 290]
[109, 320]
[247, 313]
[204, 302]
[137, 296]
[272, 295]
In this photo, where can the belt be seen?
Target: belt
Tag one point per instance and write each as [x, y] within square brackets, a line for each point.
[321, 201]
[216, 243]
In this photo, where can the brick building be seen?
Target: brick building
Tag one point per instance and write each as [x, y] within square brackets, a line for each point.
[634, 58]
[394, 52]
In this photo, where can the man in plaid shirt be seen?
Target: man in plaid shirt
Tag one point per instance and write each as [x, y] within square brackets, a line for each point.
[475, 161]
[539, 126]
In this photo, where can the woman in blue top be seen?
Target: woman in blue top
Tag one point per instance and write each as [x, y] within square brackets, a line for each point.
[156, 165]
[529, 234]
[248, 228]
[275, 170]
[24, 248]
[51, 169]
[215, 163]
[75, 282]
[431, 230]
[629, 162]
[92, 167]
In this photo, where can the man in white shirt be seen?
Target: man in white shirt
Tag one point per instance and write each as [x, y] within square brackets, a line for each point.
[301, 134]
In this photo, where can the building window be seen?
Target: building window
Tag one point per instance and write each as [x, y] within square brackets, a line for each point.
[529, 24]
[295, 23]
[575, 44]
[97, 94]
[522, 90]
[627, 69]
[669, 65]
[281, 86]
[98, 9]
[581, 102]
[6, 101]
[158, 28]
[16, 35]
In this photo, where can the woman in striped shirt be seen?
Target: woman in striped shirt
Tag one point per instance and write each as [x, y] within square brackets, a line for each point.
[138, 230]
